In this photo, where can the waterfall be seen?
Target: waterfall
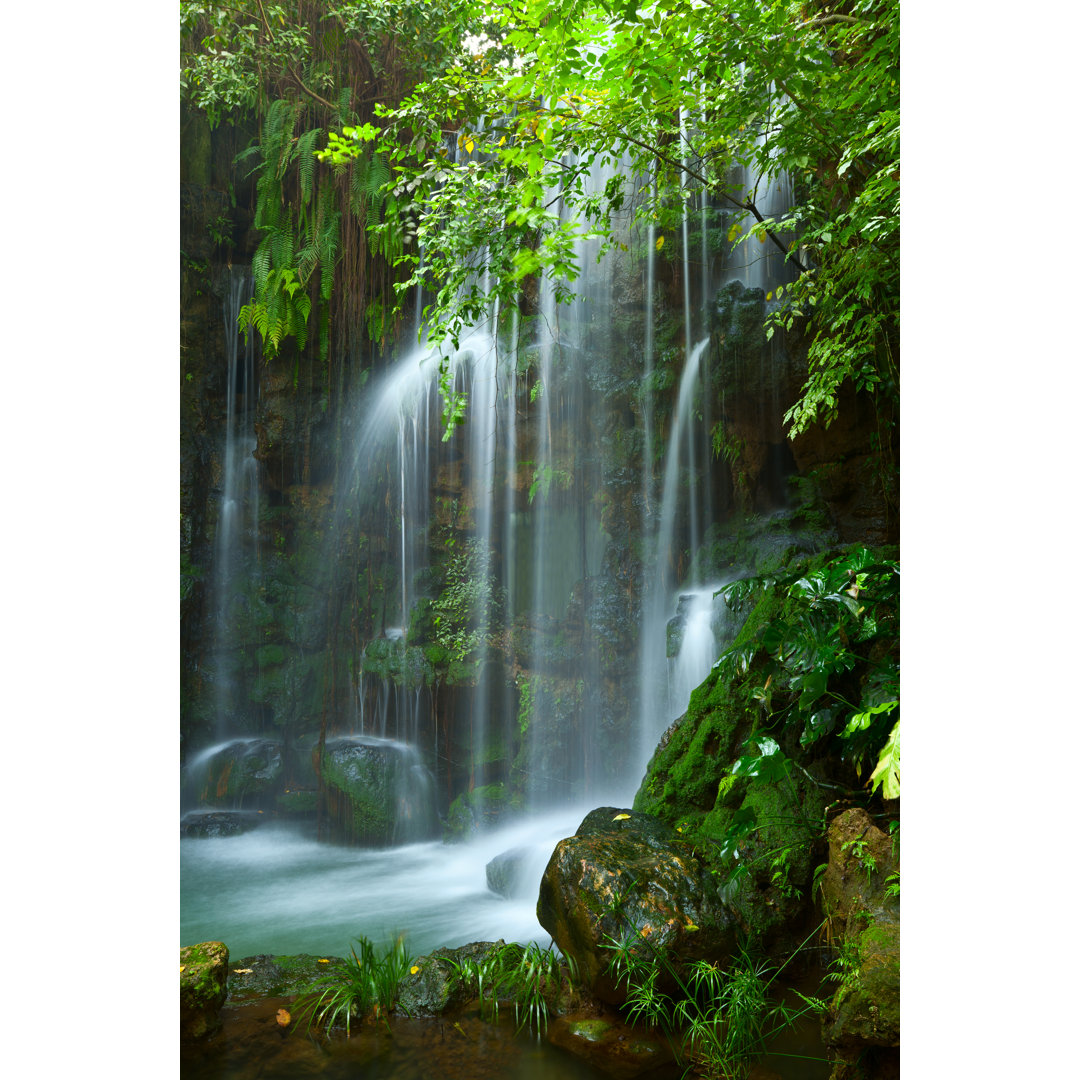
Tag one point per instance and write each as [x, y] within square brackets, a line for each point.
[522, 572]
[238, 516]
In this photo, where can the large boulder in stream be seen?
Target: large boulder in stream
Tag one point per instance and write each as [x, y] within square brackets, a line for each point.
[243, 773]
[626, 876]
[378, 792]
[204, 972]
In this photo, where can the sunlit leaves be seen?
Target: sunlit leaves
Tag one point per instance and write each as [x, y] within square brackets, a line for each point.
[886, 774]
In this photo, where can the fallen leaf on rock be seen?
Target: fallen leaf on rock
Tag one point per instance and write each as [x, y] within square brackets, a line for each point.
[414, 969]
[283, 1017]
[323, 960]
[242, 971]
[620, 817]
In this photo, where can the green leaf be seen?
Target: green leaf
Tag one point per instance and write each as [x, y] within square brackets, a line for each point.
[886, 774]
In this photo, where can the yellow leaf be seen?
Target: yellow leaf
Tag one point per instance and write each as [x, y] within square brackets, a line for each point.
[322, 961]
[242, 971]
[768, 295]
[761, 237]
[659, 242]
[691, 926]
[620, 817]
[182, 966]
[469, 144]
[414, 969]
[679, 829]
[283, 1017]
[502, 141]
[733, 232]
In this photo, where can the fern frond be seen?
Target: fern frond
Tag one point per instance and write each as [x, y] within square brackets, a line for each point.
[260, 264]
[305, 152]
[281, 247]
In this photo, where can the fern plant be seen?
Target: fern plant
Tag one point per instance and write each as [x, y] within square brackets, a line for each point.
[301, 235]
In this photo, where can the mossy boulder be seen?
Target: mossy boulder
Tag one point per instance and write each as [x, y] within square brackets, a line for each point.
[247, 772]
[626, 875]
[432, 985]
[864, 914]
[377, 791]
[279, 976]
[505, 872]
[204, 970]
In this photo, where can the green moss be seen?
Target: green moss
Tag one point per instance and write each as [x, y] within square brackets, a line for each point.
[297, 802]
[404, 665]
[481, 806]
[269, 655]
[684, 772]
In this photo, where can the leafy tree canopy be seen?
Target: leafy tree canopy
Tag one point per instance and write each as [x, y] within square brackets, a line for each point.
[680, 92]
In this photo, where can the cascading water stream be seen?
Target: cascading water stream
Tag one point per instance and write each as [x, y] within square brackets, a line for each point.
[238, 522]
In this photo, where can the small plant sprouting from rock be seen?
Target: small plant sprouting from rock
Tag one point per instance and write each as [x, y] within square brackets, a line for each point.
[526, 975]
[363, 984]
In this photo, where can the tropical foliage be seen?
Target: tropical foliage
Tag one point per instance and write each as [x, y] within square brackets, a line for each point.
[827, 666]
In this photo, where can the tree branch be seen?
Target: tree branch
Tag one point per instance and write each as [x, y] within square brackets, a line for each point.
[748, 205]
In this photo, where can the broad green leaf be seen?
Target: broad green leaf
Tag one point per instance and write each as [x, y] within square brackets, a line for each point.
[886, 774]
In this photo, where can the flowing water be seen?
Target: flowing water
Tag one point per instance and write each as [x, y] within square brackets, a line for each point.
[278, 890]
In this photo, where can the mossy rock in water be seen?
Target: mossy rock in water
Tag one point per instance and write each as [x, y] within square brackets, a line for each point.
[433, 985]
[204, 970]
[505, 873]
[246, 772]
[280, 976]
[362, 785]
[626, 875]
[610, 1044]
[218, 823]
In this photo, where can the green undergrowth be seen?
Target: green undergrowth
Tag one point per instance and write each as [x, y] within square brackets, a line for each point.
[717, 1018]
